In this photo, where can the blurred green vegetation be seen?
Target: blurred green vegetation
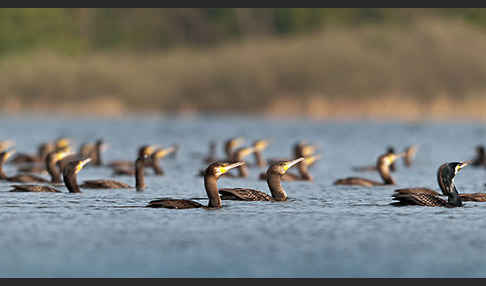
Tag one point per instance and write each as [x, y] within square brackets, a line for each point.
[84, 30]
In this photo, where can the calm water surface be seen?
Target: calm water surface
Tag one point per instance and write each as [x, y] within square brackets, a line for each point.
[322, 231]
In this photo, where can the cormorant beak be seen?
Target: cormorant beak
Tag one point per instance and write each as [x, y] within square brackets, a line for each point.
[462, 165]
[8, 155]
[161, 153]
[81, 164]
[311, 159]
[224, 169]
[289, 164]
[61, 155]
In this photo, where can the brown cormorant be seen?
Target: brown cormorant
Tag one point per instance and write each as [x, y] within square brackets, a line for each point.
[211, 176]
[42, 151]
[274, 173]
[50, 162]
[302, 168]
[22, 178]
[383, 166]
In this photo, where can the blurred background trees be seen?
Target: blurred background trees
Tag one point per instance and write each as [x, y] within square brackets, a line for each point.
[82, 30]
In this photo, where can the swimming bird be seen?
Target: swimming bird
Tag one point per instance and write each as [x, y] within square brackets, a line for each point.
[389, 150]
[383, 166]
[69, 174]
[213, 172]
[73, 167]
[42, 150]
[302, 168]
[445, 180]
[51, 160]
[22, 178]
[274, 173]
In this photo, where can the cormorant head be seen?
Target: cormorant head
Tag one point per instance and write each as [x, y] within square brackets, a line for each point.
[146, 150]
[388, 158]
[282, 166]
[5, 155]
[234, 142]
[217, 169]
[480, 149]
[101, 144]
[62, 143]
[75, 166]
[455, 167]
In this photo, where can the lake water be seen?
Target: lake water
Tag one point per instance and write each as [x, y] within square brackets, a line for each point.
[321, 231]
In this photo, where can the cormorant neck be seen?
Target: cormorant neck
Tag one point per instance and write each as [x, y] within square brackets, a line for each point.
[157, 169]
[454, 199]
[384, 171]
[97, 159]
[71, 183]
[52, 170]
[229, 152]
[445, 178]
[3, 176]
[259, 159]
[210, 183]
[139, 174]
[278, 193]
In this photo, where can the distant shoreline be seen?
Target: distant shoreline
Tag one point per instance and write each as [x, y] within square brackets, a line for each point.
[382, 109]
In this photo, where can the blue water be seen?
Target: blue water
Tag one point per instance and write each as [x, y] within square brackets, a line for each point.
[322, 231]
